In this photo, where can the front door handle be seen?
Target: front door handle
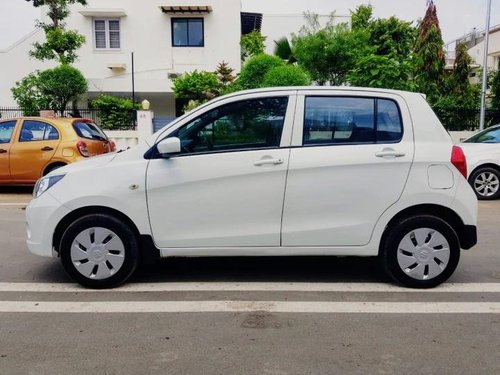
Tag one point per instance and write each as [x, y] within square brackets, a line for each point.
[47, 148]
[270, 161]
[2, 151]
[389, 152]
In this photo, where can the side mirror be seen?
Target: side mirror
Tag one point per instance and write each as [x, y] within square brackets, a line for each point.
[169, 146]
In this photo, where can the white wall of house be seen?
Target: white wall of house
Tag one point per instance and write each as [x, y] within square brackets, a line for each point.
[146, 31]
[477, 52]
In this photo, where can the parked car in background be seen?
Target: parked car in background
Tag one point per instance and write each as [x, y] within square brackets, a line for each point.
[281, 171]
[483, 158]
[31, 147]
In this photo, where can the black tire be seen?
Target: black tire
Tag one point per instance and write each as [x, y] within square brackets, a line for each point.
[130, 250]
[391, 247]
[481, 195]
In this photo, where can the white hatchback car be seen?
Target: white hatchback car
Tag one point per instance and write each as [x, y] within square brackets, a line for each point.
[285, 171]
[483, 156]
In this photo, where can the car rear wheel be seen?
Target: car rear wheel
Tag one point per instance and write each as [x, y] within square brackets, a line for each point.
[486, 183]
[99, 251]
[421, 252]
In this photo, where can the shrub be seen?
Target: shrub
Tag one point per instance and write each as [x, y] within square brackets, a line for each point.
[253, 72]
[114, 111]
[196, 85]
[288, 75]
[28, 95]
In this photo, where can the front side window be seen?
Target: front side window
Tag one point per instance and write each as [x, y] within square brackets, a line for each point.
[37, 131]
[351, 120]
[248, 124]
[107, 34]
[187, 32]
[6, 130]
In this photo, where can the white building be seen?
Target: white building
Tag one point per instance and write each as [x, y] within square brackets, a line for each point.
[167, 38]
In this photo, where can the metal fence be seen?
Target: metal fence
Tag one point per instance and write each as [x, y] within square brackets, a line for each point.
[114, 119]
[466, 119]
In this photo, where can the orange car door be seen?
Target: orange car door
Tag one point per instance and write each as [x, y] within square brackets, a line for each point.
[35, 146]
[6, 134]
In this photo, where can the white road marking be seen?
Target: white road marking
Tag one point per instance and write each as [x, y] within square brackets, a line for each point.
[13, 204]
[252, 287]
[249, 306]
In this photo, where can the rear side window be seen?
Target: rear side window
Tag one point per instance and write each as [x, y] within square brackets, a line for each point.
[6, 130]
[89, 131]
[351, 120]
[37, 131]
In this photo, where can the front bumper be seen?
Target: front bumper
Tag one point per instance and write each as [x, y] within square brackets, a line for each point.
[42, 216]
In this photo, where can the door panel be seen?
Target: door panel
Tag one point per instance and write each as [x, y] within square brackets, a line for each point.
[219, 199]
[6, 135]
[226, 187]
[32, 150]
[341, 182]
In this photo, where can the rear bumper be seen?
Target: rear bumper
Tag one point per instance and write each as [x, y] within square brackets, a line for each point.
[468, 236]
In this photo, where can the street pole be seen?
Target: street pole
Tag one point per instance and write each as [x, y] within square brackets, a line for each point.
[485, 67]
[133, 80]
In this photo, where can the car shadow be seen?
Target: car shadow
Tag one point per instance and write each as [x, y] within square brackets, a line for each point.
[16, 189]
[262, 269]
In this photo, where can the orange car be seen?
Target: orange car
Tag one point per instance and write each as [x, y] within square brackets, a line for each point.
[31, 147]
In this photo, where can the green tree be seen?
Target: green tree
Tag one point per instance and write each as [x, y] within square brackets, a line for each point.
[430, 55]
[60, 44]
[383, 72]
[225, 74]
[252, 44]
[361, 17]
[329, 53]
[29, 96]
[61, 86]
[286, 75]
[495, 91]
[253, 72]
[392, 37]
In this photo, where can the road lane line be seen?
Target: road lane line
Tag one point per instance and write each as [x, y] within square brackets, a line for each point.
[252, 287]
[250, 306]
[13, 204]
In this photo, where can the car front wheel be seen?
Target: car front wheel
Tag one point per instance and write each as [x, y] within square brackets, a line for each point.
[99, 251]
[486, 183]
[421, 252]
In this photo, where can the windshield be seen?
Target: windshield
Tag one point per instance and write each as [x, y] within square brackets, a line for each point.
[491, 135]
[89, 130]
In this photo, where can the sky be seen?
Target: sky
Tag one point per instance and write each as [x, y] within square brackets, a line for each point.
[457, 17]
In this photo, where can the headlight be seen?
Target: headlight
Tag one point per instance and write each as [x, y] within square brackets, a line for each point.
[45, 184]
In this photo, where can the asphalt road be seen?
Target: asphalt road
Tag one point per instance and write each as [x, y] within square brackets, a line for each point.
[247, 316]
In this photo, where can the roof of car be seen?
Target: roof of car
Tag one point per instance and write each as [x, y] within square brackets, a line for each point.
[50, 119]
[324, 88]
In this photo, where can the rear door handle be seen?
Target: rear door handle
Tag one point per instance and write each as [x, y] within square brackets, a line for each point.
[270, 161]
[2, 151]
[47, 148]
[389, 152]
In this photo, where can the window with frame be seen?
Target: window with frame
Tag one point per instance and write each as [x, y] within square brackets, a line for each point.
[107, 34]
[6, 130]
[351, 120]
[243, 125]
[37, 131]
[188, 32]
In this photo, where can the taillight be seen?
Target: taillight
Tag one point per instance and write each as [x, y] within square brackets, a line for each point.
[112, 145]
[458, 160]
[82, 148]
